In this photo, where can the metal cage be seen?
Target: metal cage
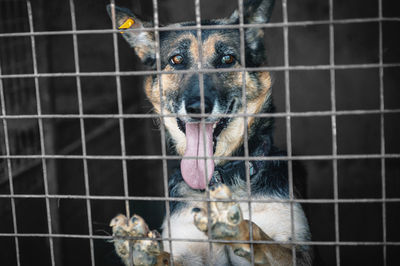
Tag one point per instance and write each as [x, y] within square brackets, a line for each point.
[44, 142]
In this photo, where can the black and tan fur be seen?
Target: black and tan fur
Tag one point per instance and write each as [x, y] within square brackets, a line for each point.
[222, 95]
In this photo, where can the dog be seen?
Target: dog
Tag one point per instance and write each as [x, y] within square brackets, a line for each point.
[201, 128]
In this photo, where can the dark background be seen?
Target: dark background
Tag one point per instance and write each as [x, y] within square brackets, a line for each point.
[356, 89]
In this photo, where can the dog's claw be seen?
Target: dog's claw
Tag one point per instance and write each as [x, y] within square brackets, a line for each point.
[243, 252]
[224, 216]
[144, 251]
[137, 227]
[200, 219]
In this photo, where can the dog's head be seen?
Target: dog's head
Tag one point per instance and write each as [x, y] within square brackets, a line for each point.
[222, 90]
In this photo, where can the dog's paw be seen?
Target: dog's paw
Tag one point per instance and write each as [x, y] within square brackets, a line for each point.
[126, 231]
[225, 216]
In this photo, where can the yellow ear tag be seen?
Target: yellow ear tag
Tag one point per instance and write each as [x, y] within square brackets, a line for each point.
[127, 24]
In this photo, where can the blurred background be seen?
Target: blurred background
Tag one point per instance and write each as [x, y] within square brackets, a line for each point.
[356, 89]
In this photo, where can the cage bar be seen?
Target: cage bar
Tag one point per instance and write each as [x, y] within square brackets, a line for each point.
[239, 69]
[288, 122]
[229, 158]
[277, 114]
[41, 134]
[82, 131]
[334, 131]
[9, 170]
[245, 129]
[162, 126]
[382, 132]
[166, 28]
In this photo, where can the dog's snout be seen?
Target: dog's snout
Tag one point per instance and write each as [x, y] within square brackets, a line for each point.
[194, 106]
[193, 97]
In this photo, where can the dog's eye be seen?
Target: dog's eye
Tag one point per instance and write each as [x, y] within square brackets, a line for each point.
[176, 59]
[227, 59]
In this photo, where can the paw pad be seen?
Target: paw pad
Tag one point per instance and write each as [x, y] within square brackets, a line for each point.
[145, 251]
[225, 215]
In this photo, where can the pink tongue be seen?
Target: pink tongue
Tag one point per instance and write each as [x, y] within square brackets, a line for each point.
[194, 170]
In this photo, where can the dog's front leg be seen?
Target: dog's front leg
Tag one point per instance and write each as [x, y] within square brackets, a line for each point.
[132, 249]
[227, 224]
[265, 254]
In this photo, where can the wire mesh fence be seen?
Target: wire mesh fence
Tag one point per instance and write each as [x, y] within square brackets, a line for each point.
[35, 131]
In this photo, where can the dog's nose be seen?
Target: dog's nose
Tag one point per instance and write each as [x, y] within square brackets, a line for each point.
[194, 107]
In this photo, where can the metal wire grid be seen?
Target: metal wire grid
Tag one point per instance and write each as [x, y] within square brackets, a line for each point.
[201, 87]
[24, 139]
[334, 129]
[121, 116]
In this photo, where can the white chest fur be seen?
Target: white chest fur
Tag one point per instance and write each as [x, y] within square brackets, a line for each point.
[273, 218]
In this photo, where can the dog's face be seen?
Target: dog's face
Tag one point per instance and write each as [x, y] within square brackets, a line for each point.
[222, 90]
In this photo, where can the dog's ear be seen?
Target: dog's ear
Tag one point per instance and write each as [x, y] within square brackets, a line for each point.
[254, 12]
[142, 41]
